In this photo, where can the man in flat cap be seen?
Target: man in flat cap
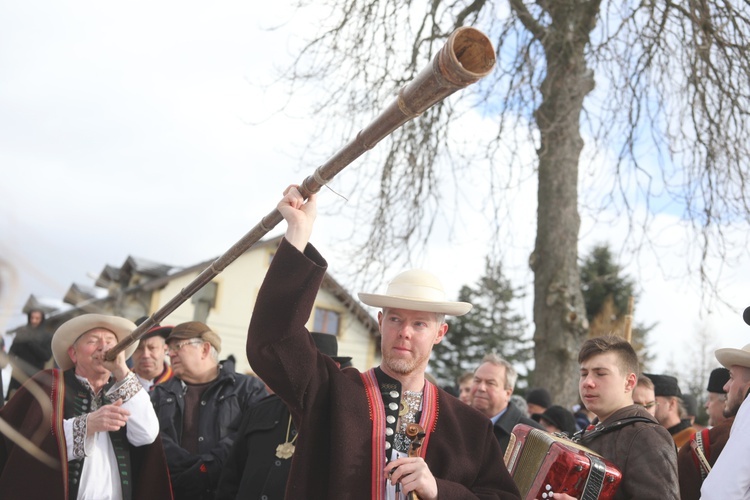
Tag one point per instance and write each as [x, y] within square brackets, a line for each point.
[730, 477]
[353, 441]
[670, 410]
[200, 409]
[709, 442]
[86, 430]
[149, 358]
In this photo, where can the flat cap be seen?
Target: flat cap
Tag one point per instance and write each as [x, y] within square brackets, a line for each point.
[195, 330]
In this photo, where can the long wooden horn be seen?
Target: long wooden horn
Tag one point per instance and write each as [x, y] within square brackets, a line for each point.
[465, 58]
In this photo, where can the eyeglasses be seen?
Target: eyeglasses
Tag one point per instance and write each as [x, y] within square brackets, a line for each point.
[648, 405]
[178, 347]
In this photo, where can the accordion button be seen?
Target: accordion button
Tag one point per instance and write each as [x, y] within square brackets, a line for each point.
[393, 406]
[390, 419]
[388, 431]
[387, 445]
[394, 394]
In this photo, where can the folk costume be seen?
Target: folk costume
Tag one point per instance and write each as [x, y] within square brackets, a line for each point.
[692, 474]
[51, 410]
[347, 419]
[643, 451]
[729, 479]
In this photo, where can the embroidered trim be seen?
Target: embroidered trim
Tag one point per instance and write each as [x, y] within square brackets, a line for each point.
[124, 389]
[79, 435]
[57, 397]
[375, 401]
[428, 421]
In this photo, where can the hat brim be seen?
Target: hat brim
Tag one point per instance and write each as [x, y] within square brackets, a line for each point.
[729, 357]
[69, 331]
[449, 308]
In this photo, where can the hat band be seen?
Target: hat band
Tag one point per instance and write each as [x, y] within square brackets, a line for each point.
[416, 292]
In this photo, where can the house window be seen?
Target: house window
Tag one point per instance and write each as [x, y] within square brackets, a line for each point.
[326, 321]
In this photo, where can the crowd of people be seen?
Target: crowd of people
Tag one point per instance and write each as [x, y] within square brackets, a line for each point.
[168, 419]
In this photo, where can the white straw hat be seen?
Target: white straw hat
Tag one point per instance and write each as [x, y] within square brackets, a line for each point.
[416, 290]
[69, 331]
[730, 357]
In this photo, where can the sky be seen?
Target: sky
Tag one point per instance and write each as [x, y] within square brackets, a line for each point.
[156, 129]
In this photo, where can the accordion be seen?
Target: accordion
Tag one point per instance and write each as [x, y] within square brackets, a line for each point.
[541, 463]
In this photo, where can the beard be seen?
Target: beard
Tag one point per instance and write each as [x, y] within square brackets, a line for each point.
[402, 366]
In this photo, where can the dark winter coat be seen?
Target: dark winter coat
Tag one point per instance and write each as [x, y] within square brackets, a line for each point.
[223, 404]
[334, 452]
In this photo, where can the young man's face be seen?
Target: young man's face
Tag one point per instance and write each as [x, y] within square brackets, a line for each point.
[407, 339]
[604, 388]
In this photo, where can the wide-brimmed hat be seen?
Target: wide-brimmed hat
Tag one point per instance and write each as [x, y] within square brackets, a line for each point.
[69, 332]
[730, 357]
[416, 290]
[195, 330]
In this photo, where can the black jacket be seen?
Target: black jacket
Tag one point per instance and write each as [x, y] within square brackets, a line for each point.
[223, 404]
[253, 470]
[504, 425]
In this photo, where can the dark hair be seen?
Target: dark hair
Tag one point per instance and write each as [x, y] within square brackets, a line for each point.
[28, 315]
[626, 356]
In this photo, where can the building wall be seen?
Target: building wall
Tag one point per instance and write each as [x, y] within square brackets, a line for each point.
[237, 290]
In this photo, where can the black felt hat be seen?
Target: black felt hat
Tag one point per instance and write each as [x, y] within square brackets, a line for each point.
[665, 385]
[717, 380]
[539, 397]
[559, 417]
[329, 345]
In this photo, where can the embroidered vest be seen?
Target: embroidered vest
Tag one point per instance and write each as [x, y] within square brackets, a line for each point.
[78, 402]
[383, 398]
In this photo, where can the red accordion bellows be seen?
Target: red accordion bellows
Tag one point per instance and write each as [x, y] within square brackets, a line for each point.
[542, 463]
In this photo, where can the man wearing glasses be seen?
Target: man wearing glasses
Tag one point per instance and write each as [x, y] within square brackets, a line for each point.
[644, 395]
[199, 409]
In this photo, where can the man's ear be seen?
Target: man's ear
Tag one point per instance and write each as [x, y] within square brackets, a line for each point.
[441, 333]
[630, 382]
[72, 354]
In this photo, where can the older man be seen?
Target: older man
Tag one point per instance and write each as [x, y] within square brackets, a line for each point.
[149, 358]
[353, 440]
[670, 409]
[491, 389]
[730, 477]
[200, 409]
[87, 430]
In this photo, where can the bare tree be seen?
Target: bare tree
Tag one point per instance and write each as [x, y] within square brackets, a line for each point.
[659, 90]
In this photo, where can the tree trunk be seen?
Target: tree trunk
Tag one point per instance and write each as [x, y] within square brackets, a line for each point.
[559, 310]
